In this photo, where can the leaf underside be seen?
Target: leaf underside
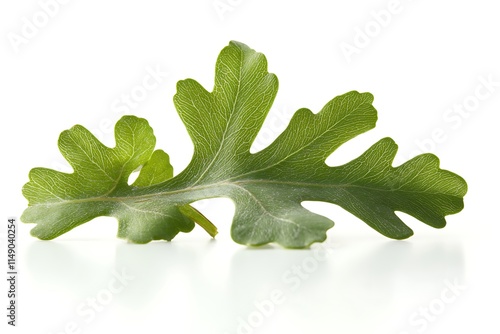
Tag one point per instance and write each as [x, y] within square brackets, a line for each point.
[267, 187]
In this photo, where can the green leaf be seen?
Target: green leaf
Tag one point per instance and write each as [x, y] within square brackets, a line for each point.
[156, 170]
[60, 202]
[267, 187]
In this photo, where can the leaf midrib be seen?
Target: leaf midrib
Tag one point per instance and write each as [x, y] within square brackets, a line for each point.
[228, 123]
[241, 183]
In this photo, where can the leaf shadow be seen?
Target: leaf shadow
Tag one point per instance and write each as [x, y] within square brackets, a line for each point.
[355, 287]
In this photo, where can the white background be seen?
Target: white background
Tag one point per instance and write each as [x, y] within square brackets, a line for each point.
[427, 58]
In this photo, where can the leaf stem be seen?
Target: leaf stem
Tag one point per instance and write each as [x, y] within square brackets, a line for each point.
[199, 219]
